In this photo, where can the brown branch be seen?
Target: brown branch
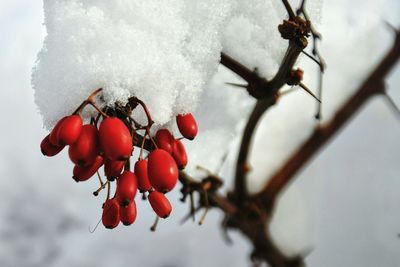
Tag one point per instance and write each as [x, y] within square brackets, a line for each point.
[372, 86]
[266, 93]
[240, 191]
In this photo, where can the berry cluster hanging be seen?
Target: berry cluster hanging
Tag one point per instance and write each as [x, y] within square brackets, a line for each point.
[108, 140]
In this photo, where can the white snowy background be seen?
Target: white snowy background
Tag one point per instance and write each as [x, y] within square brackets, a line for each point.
[343, 207]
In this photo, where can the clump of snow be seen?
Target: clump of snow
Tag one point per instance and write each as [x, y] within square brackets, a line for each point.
[161, 53]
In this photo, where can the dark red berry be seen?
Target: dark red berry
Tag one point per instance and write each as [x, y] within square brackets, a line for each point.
[164, 140]
[126, 188]
[111, 214]
[68, 131]
[128, 213]
[179, 154]
[53, 136]
[115, 139]
[142, 176]
[187, 125]
[48, 149]
[113, 168]
[84, 151]
[160, 204]
[81, 174]
[162, 170]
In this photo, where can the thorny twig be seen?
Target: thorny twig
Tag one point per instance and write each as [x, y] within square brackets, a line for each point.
[251, 214]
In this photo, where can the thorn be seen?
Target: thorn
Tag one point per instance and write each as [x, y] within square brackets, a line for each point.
[320, 64]
[391, 103]
[237, 85]
[391, 27]
[189, 215]
[309, 91]
[207, 171]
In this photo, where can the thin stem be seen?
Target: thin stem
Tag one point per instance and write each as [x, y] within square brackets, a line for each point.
[98, 110]
[207, 206]
[289, 9]
[192, 208]
[154, 226]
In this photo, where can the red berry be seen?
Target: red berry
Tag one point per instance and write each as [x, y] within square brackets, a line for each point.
[111, 214]
[142, 176]
[113, 168]
[164, 140]
[128, 213]
[81, 174]
[68, 131]
[115, 139]
[53, 136]
[162, 171]
[179, 154]
[48, 149]
[160, 204]
[126, 188]
[187, 125]
[84, 151]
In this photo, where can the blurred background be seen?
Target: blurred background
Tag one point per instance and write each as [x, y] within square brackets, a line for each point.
[342, 208]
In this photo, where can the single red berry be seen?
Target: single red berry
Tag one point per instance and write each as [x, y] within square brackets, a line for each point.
[48, 149]
[53, 136]
[142, 176]
[69, 130]
[128, 213]
[164, 140]
[111, 214]
[115, 139]
[113, 168]
[126, 188]
[162, 171]
[84, 151]
[81, 174]
[187, 125]
[179, 154]
[160, 204]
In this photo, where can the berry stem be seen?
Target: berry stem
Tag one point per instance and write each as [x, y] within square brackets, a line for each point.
[146, 110]
[154, 226]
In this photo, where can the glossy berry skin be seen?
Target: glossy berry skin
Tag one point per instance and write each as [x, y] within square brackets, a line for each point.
[142, 175]
[115, 139]
[111, 214]
[84, 151]
[68, 131]
[48, 149]
[113, 168]
[81, 174]
[179, 154]
[162, 171]
[164, 140]
[187, 125]
[53, 136]
[126, 188]
[160, 204]
[128, 213]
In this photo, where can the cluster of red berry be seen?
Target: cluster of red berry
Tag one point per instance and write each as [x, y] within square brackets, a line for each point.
[111, 144]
